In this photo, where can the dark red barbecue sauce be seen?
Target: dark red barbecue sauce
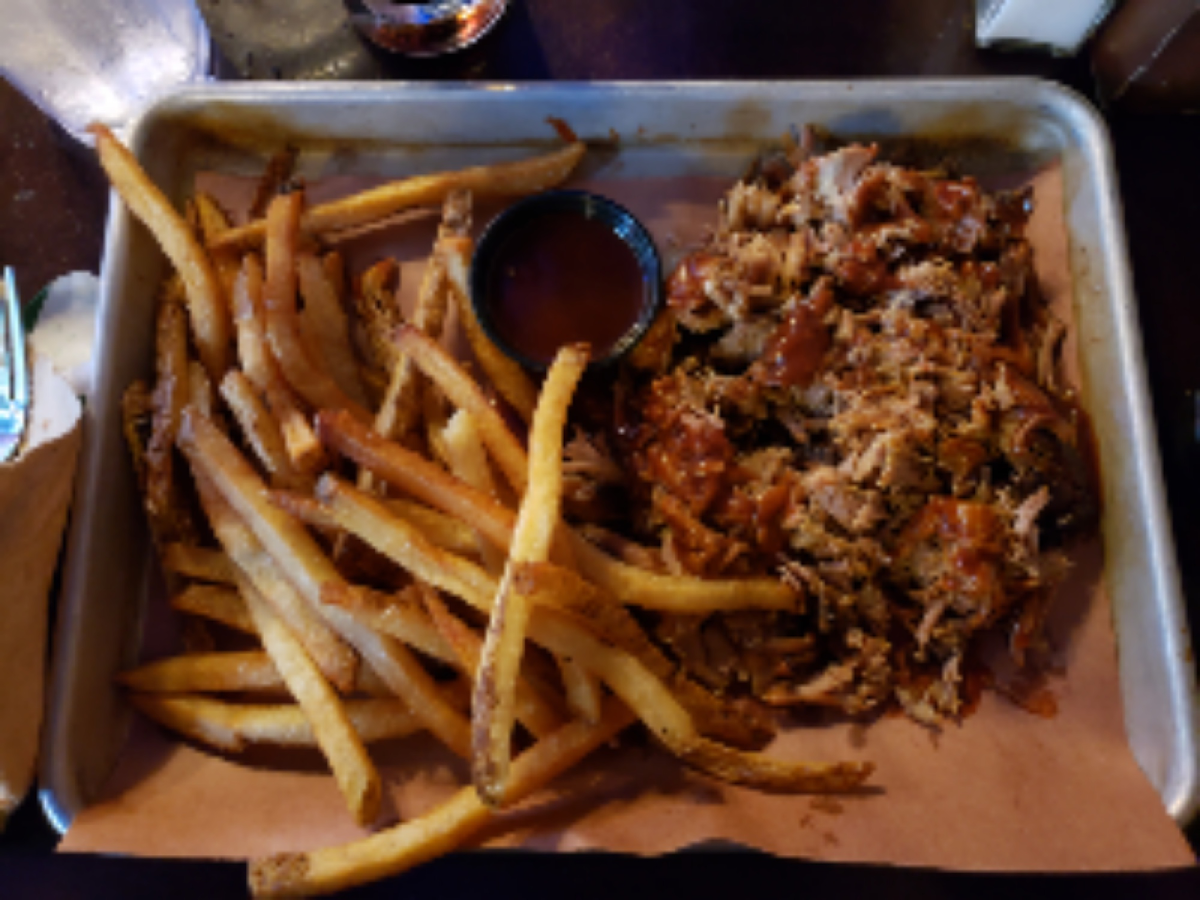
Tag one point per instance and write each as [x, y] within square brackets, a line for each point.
[562, 279]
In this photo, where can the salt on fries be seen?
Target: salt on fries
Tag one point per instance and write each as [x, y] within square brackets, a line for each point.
[372, 551]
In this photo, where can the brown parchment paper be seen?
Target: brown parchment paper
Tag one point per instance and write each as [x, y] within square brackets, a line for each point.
[35, 494]
[1005, 790]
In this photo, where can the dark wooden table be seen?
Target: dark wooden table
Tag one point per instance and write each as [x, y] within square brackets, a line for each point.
[53, 203]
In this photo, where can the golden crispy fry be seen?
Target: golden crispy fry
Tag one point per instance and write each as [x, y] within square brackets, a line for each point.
[584, 693]
[442, 530]
[462, 391]
[378, 315]
[492, 704]
[276, 173]
[400, 408]
[305, 509]
[206, 309]
[468, 461]
[416, 476]
[213, 223]
[326, 327]
[231, 726]
[674, 593]
[241, 670]
[313, 574]
[201, 563]
[217, 604]
[260, 367]
[669, 722]
[532, 710]
[161, 490]
[251, 562]
[282, 320]
[200, 389]
[403, 616]
[504, 179]
[432, 485]
[397, 415]
[647, 695]
[743, 724]
[332, 728]
[437, 832]
[507, 376]
[361, 514]
[260, 428]
[236, 671]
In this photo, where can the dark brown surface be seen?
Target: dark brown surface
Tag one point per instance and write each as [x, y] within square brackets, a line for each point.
[53, 203]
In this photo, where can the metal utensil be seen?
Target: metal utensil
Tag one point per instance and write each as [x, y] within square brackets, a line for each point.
[14, 371]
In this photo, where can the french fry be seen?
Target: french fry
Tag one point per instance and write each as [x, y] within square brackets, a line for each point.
[442, 530]
[647, 695]
[260, 428]
[397, 415]
[378, 314]
[229, 671]
[415, 475]
[239, 670]
[206, 309]
[304, 508]
[161, 490]
[260, 367]
[231, 726]
[432, 485]
[583, 690]
[404, 617]
[252, 563]
[674, 593]
[216, 604]
[201, 563]
[213, 223]
[670, 723]
[276, 173]
[282, 321]
[743, 725]
[468, 461]
[462, 391]
[506, 375]
[200, 392]
[437, 832]
[331, 726]
[492, 704]
[326, 327]
[312, 573]
[367, 517]
[525, 176]
[532, 710]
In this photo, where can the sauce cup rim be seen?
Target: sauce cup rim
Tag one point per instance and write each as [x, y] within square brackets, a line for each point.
[623, 224]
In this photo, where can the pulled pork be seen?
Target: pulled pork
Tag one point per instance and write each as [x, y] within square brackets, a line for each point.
[854, 388]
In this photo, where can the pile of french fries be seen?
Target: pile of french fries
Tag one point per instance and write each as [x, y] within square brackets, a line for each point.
[322, 476]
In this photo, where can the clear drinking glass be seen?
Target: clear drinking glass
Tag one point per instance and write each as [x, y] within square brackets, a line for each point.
[84, 61]
[425, 29]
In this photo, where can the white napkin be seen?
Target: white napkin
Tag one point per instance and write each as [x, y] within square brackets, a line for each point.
[35, 495]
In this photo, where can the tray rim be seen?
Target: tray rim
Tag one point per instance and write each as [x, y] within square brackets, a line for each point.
[59, 792]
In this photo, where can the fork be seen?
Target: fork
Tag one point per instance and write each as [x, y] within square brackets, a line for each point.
[14, 371]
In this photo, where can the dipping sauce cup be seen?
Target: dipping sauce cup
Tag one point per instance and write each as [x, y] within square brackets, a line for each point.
[562, 267]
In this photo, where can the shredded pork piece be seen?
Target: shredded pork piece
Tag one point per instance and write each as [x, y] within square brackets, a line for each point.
[862, 397]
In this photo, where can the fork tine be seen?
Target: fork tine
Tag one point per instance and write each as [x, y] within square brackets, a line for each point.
[14, 333]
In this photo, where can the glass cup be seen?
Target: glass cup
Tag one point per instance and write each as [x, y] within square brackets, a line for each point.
[425, 29]
[85, 61]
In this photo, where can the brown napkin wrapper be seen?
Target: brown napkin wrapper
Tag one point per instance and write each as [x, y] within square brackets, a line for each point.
[35, 495]
[1004, 790]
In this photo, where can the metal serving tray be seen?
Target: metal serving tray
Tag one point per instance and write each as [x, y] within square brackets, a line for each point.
[698, 128]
